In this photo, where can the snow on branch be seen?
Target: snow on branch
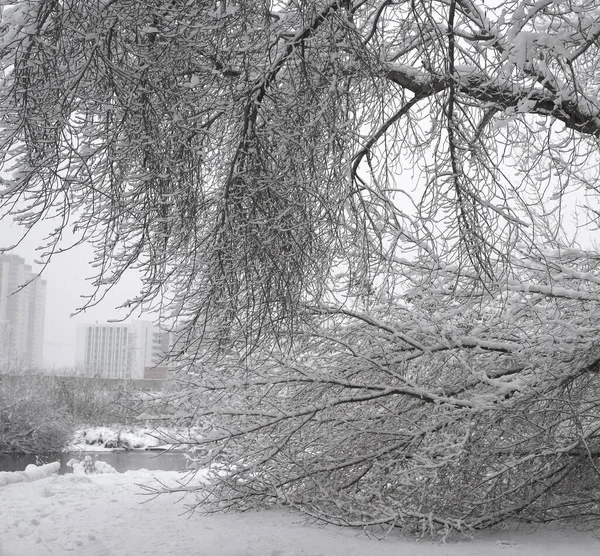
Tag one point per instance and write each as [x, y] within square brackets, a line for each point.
[577, 114]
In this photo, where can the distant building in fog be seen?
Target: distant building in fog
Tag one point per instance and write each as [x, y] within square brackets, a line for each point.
[4, 341]
[121, 350]
[22, 313]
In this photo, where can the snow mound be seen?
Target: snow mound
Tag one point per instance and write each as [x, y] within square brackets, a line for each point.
[31, 473]
[87, 466]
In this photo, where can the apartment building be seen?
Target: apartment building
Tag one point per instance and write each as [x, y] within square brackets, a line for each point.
[22, 314]
[121, 350]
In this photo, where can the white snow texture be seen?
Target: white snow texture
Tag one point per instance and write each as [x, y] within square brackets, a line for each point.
[107, 515]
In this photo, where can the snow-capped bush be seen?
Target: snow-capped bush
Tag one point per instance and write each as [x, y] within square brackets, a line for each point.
[89, 466]
[32, 418]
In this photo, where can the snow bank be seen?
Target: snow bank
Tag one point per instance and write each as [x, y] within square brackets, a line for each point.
[109, 438]
[31, 473]
[90, 439]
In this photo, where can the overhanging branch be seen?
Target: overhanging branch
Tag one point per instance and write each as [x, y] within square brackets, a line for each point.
[576, 115]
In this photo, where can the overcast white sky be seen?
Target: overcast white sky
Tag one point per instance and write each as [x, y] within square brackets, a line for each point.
[66, 284]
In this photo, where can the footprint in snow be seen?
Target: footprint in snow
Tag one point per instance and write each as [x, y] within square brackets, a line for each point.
[506, 544]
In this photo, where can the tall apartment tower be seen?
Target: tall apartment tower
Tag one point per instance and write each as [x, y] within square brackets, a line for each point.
[122, 350]
[22, 313]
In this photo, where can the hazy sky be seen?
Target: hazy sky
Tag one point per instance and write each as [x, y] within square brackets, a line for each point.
[66, 284]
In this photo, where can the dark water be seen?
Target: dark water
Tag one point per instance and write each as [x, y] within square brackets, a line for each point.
[120, 460]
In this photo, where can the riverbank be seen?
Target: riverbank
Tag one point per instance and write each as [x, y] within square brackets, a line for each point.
[124, 437]
[124, 447]
[39, 413]
[109, 515]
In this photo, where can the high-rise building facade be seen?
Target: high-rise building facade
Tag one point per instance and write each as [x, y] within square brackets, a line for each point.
[22, 313]
[120, 350]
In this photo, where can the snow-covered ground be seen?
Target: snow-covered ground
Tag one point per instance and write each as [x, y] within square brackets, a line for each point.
[108, 515]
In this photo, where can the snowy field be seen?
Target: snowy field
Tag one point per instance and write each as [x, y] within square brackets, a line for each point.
[107, 514]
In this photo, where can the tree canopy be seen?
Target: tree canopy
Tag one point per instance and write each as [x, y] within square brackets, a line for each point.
[371, 219]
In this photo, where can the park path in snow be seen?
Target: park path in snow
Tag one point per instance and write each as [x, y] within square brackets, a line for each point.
[108, 515]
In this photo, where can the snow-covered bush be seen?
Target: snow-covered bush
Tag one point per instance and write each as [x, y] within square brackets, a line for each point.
[94, 401]
[39, 413]
[32, 419]
[88, 465]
